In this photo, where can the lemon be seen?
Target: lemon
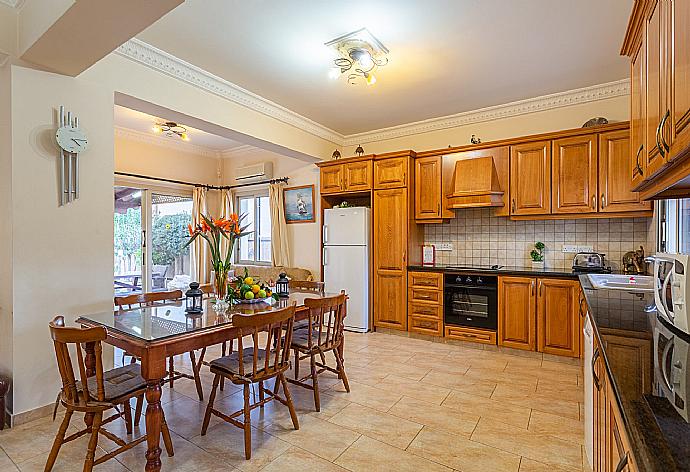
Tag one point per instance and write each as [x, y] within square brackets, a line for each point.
[261, 294]
[249, 281]
[249, 295]
[255, 288]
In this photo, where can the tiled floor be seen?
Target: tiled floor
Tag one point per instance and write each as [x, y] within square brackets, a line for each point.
[415, 406]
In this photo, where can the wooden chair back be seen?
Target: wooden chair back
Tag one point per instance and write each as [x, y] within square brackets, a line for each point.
[139, 300]
[207, 289]
[326, 321]
[277, 347]
[84, 339]
[306, 286]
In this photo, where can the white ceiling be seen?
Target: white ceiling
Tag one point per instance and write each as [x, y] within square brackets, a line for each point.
[143, 123]
[446, 56]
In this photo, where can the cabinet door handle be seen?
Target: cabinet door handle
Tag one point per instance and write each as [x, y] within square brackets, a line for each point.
[594, 202]
[594, 372]
[531, 284]
[622, 463]
[513, 211]
[659, 138]
[439, 209]
[638, 168]
[661, 131]
[603, 201]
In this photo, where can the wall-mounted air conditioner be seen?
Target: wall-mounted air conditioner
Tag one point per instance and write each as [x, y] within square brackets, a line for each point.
[258, 171]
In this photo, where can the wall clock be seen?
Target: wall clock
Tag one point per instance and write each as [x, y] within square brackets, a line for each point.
[72, 140]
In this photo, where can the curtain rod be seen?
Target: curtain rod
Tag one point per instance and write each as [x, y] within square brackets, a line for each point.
[206, 186]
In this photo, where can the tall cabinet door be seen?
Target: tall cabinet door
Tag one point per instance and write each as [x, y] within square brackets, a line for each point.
[427, 188]
[557, 317]
[574, 175]
[655, 95]
[516, 312]
[614, 170]
[530, 178]
[390, 258]
[679, 58]
[638, 149]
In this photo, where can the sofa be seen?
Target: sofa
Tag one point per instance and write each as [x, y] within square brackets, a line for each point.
[268, 273]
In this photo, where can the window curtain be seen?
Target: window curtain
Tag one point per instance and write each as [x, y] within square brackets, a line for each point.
[199, 254]
[227, 208]
[280, 251]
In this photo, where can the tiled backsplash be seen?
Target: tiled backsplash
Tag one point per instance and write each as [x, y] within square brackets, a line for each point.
[478, 237]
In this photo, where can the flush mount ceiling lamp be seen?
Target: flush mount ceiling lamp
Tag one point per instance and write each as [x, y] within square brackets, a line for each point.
[170, 129]
[359, 54]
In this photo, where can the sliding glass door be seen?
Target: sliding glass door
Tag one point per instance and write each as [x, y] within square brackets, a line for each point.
[150, 234]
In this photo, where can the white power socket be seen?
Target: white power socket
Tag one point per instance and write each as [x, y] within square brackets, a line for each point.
[585, 249]
[569, 248]
[444, 247]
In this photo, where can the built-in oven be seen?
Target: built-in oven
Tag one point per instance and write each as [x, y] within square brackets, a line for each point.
[471, 300]
[671, 372]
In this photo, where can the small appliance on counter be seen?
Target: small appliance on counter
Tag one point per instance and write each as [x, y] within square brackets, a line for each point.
[590, 262]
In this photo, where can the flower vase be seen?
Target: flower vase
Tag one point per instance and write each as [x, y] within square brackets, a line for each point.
[538, 265]
[220, 284]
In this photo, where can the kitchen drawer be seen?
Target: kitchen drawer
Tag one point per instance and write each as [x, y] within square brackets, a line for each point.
[425, 295]
[430, 280]
[471, 334]
[425, 325]
[425, 309]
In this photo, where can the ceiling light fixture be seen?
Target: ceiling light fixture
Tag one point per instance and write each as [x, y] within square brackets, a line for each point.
[170, 129]
[359, 54]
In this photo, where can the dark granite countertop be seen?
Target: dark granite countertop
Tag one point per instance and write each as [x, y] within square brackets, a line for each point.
[506, 270]
[660, 437]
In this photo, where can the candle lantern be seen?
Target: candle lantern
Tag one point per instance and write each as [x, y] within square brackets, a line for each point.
[194, 299]
[282, 285]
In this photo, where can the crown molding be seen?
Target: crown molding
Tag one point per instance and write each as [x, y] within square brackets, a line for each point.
[166, 142]
[172, 66]
[240, 150]
[521, 107]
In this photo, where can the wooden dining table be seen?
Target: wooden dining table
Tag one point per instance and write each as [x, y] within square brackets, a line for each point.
[155, 333]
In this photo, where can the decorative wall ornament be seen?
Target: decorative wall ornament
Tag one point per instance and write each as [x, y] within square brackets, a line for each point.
[475, 140]
[360, 150]
[599, 120]
[335, 155]
[72, 140]
[299, 204]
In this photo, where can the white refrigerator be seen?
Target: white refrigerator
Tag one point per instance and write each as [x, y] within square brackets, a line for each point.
[346, 261]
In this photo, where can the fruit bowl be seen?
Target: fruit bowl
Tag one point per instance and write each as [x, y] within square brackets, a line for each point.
[249, 290]
[268, 300]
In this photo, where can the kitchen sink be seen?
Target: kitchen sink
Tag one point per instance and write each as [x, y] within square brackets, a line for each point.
[629, 283]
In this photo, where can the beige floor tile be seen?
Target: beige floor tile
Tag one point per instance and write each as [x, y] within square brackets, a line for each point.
[185, 416]
[420, 390]
[461, 383]
[549, 403]
[34, 438]
[441, 362]
[6, 463]
[369, 455]
[435, 417]
[365, 375]
[71, 457]
[564, 391]
[566, 375]
[499, 376]
[402, 369]
[564, 428]
[296, 459]
[536, 446]
[489, 408]
[320, 437]
[528, 465]
[461, 453]
[226, 443]
[390, 429]
[368, 396]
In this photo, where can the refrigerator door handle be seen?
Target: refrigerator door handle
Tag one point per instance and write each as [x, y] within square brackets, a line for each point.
[325, 234]
[325, 259]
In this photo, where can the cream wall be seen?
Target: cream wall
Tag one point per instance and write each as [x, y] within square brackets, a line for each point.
[614, 109]
[62, 258]
[303, 238]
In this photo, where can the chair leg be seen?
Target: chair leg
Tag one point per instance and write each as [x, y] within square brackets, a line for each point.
[167, 440]
[223, 348]
[288, 398]
[261, 393]
[197, 378]
[127, 410]
[137, 411]
[59, 437]
[341, 369]
[209, 407]
[93, 442]
[247, 424]
[296, 364]
[171, 370]
[201, 357]
[315, 382]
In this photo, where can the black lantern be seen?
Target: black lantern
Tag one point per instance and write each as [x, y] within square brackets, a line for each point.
[194, 297]
[282, 285]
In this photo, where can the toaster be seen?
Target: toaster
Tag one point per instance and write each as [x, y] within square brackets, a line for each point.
[590, 262]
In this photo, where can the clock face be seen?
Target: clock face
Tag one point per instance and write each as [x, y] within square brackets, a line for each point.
[71, 139]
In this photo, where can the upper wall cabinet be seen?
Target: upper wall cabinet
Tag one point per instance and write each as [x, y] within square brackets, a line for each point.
[346, 177]
[574, 175]
[637, 111]
[427, 189]
[615, 192]
[530, 178]
[391, 173]
[332, 179]
[678, 47]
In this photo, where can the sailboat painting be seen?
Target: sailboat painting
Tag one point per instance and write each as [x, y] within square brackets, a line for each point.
[299, 204]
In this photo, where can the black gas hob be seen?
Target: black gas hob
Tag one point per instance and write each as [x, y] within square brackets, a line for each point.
[476, 268]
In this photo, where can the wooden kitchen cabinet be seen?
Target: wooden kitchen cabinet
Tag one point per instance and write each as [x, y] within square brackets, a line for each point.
[331, 179]
[599, 407]
[425, 307]
[678, 49]
[516, 312]
[530, 178]
[632, 356]
[615, 190]
[574, 175]
[558, 317]
[618, 453]
[391, 172]
[347, 177]
[638, 164]
[428, 188]
[655, 91]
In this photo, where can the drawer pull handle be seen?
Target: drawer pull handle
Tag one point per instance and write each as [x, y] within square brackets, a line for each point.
[597, 384]
[622, 463]
[638, 167]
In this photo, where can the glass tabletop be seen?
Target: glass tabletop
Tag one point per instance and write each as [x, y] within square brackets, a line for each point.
[165, 321]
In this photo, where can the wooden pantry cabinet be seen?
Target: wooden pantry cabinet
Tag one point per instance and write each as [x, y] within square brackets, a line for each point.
[539, 314]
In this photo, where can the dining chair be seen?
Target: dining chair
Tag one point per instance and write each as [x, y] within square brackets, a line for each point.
[306, 286]
[150, 299]
[95, 394]
[324, 332]
[251, 365]
[207, 289]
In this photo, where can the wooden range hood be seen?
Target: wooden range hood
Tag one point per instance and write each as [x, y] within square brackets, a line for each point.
[475, 184]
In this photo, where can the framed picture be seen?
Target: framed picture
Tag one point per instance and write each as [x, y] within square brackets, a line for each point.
[299, 204]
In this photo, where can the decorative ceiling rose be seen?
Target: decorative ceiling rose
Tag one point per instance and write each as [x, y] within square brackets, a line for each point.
[359, 54]
[170, 129]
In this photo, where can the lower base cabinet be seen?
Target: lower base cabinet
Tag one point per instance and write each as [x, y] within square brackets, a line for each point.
[425, 303]
[390, 299]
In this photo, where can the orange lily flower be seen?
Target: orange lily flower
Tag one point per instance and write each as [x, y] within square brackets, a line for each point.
[191, 231]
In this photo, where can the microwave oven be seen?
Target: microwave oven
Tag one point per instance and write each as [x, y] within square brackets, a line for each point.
[671, 286]
[672, 367]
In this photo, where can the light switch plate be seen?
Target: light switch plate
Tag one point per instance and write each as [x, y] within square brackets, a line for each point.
[444, 247]
[585, 249]
[571, 248]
